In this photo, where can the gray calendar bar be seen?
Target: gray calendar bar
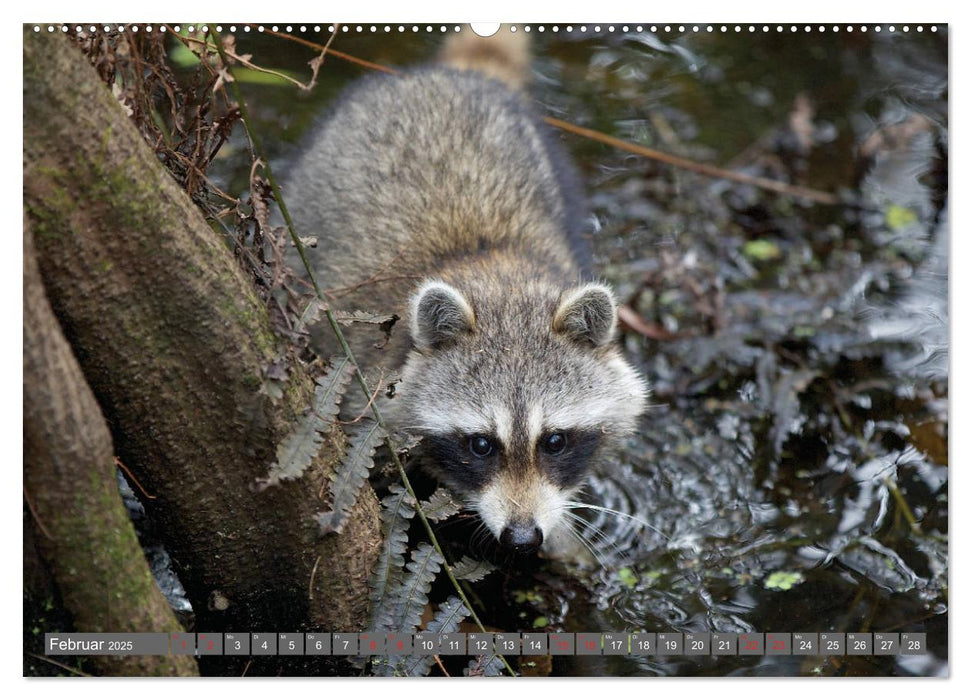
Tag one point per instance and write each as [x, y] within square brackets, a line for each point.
[368, 644]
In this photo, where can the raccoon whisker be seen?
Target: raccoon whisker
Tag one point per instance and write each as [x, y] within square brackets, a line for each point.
[479, 536]
[605, 541]
[573, 505]
[587, 525]
[593, 528]
[571, 528]
[583, 529]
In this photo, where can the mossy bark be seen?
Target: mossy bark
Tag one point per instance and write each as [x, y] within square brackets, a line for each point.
[71, 489]
[174, 343]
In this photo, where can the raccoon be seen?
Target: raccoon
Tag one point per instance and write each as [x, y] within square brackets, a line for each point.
[439, 194]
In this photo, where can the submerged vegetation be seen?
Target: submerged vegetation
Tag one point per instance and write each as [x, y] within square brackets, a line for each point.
[791, 474]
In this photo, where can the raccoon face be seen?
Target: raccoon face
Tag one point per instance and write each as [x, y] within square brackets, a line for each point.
[517, 390]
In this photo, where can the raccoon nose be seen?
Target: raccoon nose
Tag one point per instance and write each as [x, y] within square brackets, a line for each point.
[523, 537]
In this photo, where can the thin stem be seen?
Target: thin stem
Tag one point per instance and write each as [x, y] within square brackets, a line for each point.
[700, 168]
[902, 504]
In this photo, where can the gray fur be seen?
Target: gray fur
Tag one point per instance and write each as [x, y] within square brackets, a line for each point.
[443, 189]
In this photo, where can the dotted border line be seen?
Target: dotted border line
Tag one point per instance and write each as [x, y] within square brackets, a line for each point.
[541, 28]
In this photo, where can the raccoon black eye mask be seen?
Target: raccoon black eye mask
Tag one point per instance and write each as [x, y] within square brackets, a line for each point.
[509, 370]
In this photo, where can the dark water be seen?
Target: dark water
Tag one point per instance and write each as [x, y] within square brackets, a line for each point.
[799, 424]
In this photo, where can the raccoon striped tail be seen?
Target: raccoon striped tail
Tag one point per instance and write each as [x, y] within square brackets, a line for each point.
[504, 55]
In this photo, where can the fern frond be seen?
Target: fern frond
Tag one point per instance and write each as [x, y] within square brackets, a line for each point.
[351, 475]
[472, 570]
[397, 510]
[331, 388]
[450, 615]
[440, 505]
[297, 450]
[403, 605]
[384, 322]
[412, 595]
[346, 318]
[489, 665]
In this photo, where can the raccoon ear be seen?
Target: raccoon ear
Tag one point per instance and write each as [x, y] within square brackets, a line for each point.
[439, 314]
[587, 314]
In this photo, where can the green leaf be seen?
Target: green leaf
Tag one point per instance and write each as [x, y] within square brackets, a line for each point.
[761, 250]
[183, 57]
[783, 580]
[248, 76]
[627, 577]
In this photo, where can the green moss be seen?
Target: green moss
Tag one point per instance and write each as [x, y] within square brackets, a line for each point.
[252, 382]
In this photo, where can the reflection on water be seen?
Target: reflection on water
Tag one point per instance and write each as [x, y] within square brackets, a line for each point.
[793, 472]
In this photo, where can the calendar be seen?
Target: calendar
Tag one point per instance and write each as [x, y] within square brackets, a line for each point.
[696, 644]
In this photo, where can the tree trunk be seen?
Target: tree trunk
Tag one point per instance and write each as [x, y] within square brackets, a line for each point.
[175, 345]
[71, 489]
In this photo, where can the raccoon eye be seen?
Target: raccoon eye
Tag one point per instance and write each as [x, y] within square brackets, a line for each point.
[555, 443]
[480, 446]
